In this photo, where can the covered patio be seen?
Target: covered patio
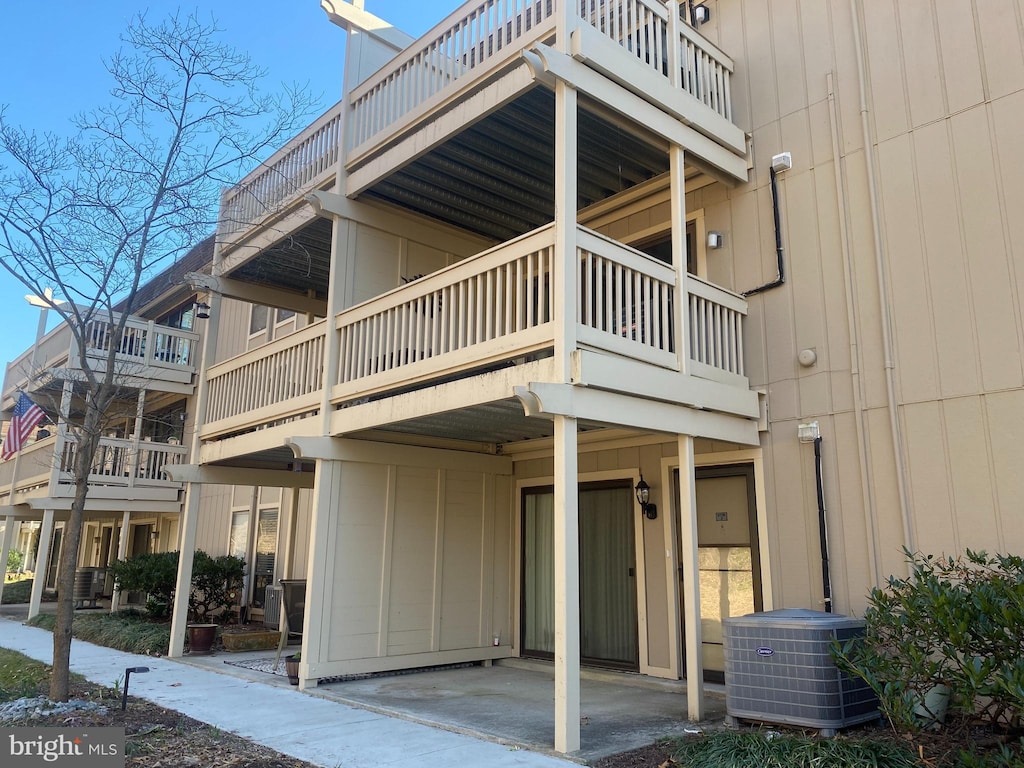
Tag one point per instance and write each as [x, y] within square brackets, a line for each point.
[511, 701]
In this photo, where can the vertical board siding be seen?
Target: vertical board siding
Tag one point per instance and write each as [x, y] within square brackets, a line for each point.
[944, 107]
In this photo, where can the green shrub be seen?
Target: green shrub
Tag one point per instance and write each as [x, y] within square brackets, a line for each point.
[952, 621]
[770, 749]
[216, 582]
[126, 631]
[15, 560]
[154, 573]
[17, 592]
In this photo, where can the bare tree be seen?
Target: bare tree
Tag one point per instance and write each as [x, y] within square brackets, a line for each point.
[139, 181]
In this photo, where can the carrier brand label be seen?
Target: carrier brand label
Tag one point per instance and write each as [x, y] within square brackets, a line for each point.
[765, 651]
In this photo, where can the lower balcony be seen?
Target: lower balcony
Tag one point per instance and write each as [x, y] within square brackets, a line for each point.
[123, 469]
[489, 311]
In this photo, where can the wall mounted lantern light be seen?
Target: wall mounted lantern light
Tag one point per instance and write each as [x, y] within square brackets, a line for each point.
[643, 496]
[202, 310]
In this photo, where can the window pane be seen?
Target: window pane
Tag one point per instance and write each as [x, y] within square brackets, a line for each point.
[258, 319]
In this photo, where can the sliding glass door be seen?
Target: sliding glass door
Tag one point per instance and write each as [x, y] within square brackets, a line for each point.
[608, 607]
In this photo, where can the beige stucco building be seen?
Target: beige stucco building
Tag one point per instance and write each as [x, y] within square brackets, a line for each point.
[550, 250]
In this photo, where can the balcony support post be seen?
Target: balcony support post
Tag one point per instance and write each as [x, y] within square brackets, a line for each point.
[122, 553]
[337, 298]
[567, 587]
[675, 66]
[680, 321]
[193, 491]
[42, 564]
[136, 452]
[566, 263]
[691, 580]
[4, 549]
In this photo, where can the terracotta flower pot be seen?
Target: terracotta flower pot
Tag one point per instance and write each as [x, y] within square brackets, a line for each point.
[200, 638]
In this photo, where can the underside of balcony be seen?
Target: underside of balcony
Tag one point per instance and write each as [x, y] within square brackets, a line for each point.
[468, 109]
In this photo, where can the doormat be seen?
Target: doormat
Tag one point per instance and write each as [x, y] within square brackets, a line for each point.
[267, 665]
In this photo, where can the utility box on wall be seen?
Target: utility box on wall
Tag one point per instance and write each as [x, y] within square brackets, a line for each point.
[779, 669]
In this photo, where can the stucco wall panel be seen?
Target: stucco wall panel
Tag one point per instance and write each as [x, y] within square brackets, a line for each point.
[994, 307]
[1001, 46]
[961, 61]
[971, 472]
[929, 470]
[914, 334]
[945, 303]
[1004, 415]
[922, 65]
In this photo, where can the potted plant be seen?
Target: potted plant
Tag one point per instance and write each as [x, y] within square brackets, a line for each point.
[291, 666]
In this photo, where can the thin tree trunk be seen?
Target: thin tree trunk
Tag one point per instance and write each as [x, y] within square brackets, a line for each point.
[88, 440]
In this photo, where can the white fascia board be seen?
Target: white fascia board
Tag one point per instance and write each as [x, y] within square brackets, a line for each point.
[193, 473]
[619, 374]
[625, 410]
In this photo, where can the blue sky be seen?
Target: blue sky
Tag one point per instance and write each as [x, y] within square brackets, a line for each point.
[52, 64]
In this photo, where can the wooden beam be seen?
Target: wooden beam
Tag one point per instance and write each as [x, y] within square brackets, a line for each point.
[208, 475]
[617, 408]
[257, 294]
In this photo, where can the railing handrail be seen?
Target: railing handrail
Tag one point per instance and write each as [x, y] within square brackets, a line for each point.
[445, 276]
[311, 331]
[267, 165]
[416, 47]
[700, 287]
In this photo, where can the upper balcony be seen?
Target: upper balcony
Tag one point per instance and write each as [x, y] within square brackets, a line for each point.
[484, 59]
[487, 313]
[147, 355]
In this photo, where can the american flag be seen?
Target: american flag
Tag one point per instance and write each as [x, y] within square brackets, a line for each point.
[26, 416]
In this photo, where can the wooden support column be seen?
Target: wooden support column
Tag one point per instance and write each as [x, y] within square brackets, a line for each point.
[186, 556]
[4, 549]
[567, 587]
[319, 570]
[122, 553]
[193, 491]
[677, 183]
[691, 580]
[42, 563]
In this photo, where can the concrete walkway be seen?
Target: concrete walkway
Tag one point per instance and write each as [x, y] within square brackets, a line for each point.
[326, 733]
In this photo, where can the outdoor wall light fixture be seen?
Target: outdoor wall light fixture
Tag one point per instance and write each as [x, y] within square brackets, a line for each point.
[643, 495]
[202, 310]
[701, 15]
[715, 240]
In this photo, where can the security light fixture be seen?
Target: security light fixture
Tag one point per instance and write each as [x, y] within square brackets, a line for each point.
[643, 496]
[807, 432]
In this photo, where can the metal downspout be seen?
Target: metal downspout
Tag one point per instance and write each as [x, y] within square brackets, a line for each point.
[867, 491]
[883, 292]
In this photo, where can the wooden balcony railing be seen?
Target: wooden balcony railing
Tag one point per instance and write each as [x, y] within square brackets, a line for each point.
[484, 34]
[144, 348]
[485, 310]
[476, 35]
[716, 332]
[276, 381]
[469, 314]
[642, 27]
[123, 462]
[302, 164]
